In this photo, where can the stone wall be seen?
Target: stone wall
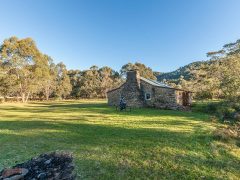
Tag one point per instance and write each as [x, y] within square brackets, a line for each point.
[114, 96]
[148, 88]
[160, 97]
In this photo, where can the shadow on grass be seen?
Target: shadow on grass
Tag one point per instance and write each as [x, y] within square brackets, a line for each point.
[111, 152]
[99, 135]
[92, 144]
[48, 107]
[103, 109]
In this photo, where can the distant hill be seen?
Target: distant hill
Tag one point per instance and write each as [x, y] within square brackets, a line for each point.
[184, 71]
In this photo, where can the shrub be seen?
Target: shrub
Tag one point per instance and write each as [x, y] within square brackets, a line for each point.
[224, 110]
[229, 112]
[238, 143]
[211, 108]
[224, 113]
[236, 106]
[237, 116]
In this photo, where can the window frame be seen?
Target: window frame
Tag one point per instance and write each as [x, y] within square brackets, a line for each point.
[150, 96]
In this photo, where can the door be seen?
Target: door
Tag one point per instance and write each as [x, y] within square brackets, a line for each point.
[185, 99]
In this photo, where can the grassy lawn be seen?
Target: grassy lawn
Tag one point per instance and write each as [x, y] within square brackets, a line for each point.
[142, 144]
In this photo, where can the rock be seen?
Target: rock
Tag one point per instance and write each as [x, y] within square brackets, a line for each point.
[42, 176]
[48, 161]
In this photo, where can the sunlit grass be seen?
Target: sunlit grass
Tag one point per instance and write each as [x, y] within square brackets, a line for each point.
[106, 144]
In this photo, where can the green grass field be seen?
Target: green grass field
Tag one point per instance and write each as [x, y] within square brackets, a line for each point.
[106, 144]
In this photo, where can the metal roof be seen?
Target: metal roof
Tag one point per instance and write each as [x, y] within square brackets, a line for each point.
[155, 83]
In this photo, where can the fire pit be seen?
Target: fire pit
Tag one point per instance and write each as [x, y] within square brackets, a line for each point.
[46, 166]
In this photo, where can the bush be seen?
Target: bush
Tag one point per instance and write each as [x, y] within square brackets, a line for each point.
[238, 142]
[236, 106]
[211, 108]
[237, 116]
[225, 112]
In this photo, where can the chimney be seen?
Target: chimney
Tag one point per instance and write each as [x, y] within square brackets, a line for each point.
[133, 77]
[131, 90]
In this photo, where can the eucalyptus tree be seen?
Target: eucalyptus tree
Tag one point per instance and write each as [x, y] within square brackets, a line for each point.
[90, 83]
[109, 79]
[230, 81]
[20, 59]
[75, 80]
[49, 77]
[144, 71]
[227, 69]
[63, 84]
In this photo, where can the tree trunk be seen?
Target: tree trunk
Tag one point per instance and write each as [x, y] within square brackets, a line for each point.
[47, 93]
[27, 97]
[17, 98]
[23, 97]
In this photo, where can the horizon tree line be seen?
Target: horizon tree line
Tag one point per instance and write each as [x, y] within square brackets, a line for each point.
[218, 78]
[26, 73]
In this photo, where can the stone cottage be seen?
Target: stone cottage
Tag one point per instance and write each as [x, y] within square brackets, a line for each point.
[141, 92]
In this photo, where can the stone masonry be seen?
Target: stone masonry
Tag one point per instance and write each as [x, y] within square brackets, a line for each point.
[141, 92]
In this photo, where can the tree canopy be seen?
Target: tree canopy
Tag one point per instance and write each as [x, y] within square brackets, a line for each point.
[27, 73]
[215, 78]
[144, 71]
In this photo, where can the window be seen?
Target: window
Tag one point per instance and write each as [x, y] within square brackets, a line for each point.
[147, 96]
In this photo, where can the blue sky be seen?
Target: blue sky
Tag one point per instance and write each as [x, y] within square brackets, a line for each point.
[164, 35]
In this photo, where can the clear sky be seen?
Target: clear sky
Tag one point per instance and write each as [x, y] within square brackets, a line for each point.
[163, 34]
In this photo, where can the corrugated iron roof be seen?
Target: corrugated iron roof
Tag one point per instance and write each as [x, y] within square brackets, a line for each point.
[155, 83]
